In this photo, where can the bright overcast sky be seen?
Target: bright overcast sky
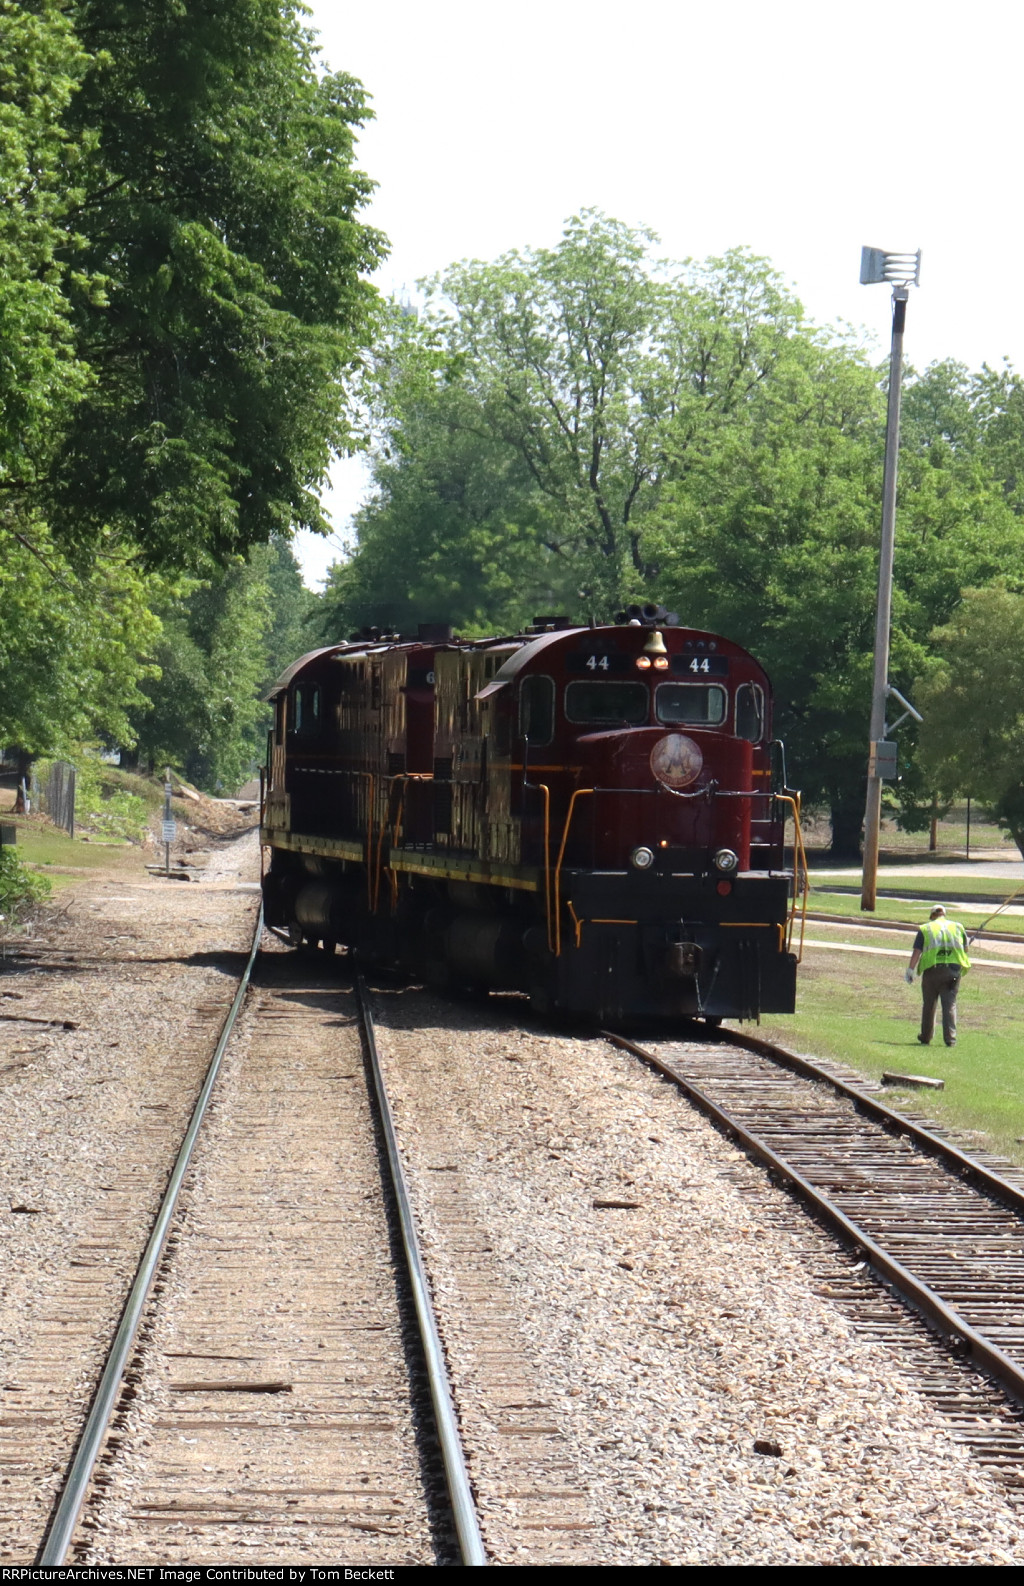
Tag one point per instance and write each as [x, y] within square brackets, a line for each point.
[800, 128]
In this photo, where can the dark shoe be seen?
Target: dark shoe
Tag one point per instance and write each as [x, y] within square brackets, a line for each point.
[950, 1043]
[925, 1042]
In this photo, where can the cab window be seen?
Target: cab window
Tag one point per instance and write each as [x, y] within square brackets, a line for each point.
[690, 704]
[306, 708]
[537, 710]
[750, 712]
[607, 704]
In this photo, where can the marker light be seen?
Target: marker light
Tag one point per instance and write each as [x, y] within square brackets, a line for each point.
[643, 662]
[642, 858]
[661, 663]
[726, 861]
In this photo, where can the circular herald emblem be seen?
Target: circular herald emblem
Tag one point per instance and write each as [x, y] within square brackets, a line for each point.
[676, 760]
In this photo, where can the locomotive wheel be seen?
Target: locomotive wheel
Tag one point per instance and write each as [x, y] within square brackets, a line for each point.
[541, 1001]
[712, 1020]
[294, 934]
[466, 991]
[437, 976]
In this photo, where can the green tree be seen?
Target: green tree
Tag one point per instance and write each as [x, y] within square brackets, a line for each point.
[972, 699]
[292, 607]
[772, 536]
[203, 713]
[42, 376]
[450, 535]
[217, 208]
[572, 428]
[75, 648]
[528, 423]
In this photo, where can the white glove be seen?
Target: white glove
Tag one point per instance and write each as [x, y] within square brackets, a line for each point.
[908, 976]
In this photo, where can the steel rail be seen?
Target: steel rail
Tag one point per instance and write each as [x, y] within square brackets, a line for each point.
[953, 1328]
[966, 1167]
[467, 1524]
[65, 1514]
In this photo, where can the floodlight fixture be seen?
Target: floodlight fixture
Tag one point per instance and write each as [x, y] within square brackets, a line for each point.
[879, 268]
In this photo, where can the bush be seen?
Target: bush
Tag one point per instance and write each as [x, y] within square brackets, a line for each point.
[102, 806]
[20, 889]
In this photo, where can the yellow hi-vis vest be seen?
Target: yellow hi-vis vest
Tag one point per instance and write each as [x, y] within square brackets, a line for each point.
[944, 943]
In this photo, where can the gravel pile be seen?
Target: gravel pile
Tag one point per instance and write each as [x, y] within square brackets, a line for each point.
[718, 1410]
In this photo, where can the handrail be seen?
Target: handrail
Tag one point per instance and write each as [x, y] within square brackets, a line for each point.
[399, 777]
[800, 876]
[368, 846]
[542, 787]
[579, 792]
[799, 855]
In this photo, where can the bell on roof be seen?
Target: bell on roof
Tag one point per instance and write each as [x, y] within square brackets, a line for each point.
[655, 645]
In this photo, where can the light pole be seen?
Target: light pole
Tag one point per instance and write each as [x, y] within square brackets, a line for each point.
[900, 271]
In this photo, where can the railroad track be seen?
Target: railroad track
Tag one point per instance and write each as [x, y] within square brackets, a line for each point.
[264, 1388]
[942, 1230]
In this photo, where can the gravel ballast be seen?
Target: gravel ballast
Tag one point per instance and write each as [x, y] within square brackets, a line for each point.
[110, 1010]
[691, 1395]
[718, 1409]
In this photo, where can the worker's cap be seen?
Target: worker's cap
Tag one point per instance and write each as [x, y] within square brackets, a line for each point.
[938, 909]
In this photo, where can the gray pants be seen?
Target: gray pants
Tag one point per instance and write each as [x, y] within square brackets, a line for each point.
[940, 983]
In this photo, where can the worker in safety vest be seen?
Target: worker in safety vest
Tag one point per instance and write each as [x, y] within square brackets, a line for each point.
[940, 953]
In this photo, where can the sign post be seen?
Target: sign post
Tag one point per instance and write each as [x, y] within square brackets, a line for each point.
[170, 830]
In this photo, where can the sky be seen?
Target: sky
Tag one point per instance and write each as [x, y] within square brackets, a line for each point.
[802, 130]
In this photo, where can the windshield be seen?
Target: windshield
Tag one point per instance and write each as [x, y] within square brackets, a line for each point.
[607, 704]
[699, 704]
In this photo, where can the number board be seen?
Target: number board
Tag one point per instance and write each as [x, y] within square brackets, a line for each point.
[697, 666]
[612, 663]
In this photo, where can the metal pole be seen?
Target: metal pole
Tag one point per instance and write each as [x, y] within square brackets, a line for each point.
[883, 615]
[168, 790]
[968, 854]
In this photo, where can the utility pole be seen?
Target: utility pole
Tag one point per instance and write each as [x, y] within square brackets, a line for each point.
[899, 269]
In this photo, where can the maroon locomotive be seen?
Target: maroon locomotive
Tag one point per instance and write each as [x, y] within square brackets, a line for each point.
[583, 814]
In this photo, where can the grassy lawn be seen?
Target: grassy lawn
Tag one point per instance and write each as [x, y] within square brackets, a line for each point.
[950, 836]
[62, 858]
[857, 1008]
[941, 888]
[823, 901]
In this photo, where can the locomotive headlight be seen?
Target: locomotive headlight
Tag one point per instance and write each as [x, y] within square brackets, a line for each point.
[644, 663]
[726, 861]
[642, 858]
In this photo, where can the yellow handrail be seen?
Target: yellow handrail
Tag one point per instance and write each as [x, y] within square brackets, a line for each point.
[369, 833]
[400, 777]
[542, 787]
[800, 877]
[579, 792]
